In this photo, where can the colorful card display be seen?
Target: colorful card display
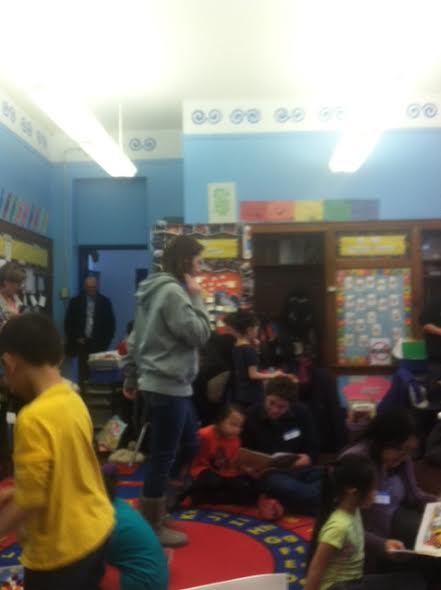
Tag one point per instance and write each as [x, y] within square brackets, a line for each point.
[15, 210]
[373, 312]
[309, 210]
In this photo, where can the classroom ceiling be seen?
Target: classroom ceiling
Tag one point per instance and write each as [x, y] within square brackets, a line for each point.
[150, 55]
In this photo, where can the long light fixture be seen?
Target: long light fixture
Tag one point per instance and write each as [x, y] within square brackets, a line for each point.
[353, 148]
[76, 119]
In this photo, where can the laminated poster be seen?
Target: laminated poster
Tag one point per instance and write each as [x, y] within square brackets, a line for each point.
[373, 313]
[222, 205]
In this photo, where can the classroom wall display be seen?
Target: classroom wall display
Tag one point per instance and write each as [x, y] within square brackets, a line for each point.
[20, 212]
[373, 312]
[222, 204]
[227, 276]
[355, 389]
[372, 245]
[309, 210]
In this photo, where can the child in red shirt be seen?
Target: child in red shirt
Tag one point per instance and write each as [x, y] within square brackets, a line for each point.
[217, 476]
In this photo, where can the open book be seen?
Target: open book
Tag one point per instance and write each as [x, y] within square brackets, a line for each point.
[263, 462]
[428, 541]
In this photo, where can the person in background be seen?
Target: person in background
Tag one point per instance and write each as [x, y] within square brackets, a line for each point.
[59, 505]
[89, 325]
[280, 424]
[430, 320]
[216, 360]
[12, 277]
[337, 548]
[218, 478]
[389, 442]
[171, 325]
[133, 547]
[247, 380]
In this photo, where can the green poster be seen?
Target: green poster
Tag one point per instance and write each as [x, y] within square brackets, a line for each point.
[222, 207]
[337, 210]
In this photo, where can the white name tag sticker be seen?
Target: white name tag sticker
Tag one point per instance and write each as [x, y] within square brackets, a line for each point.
[382, 498]
[291, 434]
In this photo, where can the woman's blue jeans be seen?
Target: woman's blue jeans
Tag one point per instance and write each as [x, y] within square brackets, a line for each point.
[173, 440]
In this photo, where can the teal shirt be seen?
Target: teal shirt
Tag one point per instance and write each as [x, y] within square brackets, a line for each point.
[135, 550]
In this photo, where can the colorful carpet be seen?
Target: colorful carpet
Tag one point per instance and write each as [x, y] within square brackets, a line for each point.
[225, 542]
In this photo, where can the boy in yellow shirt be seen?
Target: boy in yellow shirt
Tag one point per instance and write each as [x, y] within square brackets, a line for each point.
[59, 504]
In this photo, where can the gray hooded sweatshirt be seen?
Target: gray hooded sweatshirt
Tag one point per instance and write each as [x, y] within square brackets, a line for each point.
[170, 327]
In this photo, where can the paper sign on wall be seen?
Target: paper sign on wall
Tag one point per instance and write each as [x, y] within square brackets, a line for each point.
[220, 248]
[309, 210]
[222, 206]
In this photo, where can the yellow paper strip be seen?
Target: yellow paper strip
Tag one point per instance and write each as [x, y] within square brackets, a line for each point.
[220, 248]
[389, 245]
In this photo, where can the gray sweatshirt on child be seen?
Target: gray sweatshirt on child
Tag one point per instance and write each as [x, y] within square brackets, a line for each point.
[170, 327]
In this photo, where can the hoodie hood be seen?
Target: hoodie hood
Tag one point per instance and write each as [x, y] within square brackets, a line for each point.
[148, 288]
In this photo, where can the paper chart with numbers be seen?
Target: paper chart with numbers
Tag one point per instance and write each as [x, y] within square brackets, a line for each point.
[373, 312]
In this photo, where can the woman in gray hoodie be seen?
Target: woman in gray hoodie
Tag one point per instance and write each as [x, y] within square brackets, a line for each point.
[171, 324]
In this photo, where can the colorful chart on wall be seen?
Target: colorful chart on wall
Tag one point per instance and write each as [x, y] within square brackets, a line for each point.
[373, 312]
[363, 388]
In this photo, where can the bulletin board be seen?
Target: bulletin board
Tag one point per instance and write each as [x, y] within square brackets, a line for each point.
[227, 277]
[34, 253]
[373, 312]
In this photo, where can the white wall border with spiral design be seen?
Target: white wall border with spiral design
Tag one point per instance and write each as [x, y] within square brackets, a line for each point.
[286, 116]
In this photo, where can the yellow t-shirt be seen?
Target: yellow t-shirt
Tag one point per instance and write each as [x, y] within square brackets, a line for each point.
[343, 531]
[58, 479]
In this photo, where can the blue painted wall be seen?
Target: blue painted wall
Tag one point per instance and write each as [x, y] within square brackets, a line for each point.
[24, 172]
[117, 280]
[403, 172]
[91, 209]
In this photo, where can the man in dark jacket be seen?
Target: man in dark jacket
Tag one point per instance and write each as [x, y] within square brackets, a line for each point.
[282, 425]
[89, 325]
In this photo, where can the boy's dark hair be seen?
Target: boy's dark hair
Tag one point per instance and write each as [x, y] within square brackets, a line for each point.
[34, 338]
[227, 410]
[110, 477]
[130, 326]
[178, 256]
[283, 387]
[389, 430]
[351, 471]
[241, 321]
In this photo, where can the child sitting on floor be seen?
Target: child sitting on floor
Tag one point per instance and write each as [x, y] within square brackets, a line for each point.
[217, 477]
[338, 540]
[133, 547]
[248, 380]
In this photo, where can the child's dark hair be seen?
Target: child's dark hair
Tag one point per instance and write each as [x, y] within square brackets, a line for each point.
[351, 471]
[178, 256]
[227, 410]
[33, 337]
[283, 387]
[130, 326]
[389, 430]
[241, 321]
[110, 477]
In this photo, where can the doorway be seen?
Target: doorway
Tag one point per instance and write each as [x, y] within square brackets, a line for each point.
[119, 271]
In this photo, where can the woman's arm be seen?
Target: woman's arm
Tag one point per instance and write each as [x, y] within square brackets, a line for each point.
[256, 375]
[323, 555]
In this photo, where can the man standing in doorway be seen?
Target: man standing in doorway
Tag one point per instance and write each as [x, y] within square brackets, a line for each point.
[89, 325]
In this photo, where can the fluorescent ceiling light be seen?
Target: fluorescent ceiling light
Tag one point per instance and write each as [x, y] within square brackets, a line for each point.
[76, 119]
[353, 149]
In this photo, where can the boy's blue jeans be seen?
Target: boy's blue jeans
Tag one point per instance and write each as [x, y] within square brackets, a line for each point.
[173, 440]
[296, 490]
